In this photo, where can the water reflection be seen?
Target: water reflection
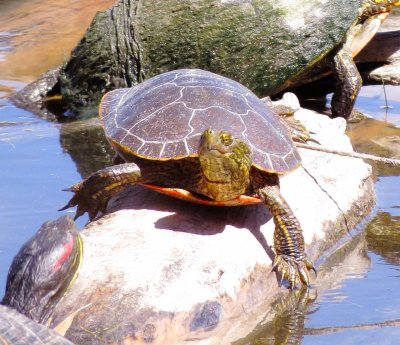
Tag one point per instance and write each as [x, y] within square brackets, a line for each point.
[43, 30]
[372, 101]
[5, 44]
[358, 299]
[287, 325]
[86, 143]
[369, 308]
[380, 133]
[383, 237]
[379, 138]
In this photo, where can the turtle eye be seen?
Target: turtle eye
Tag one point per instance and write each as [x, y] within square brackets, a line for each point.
[226, 139]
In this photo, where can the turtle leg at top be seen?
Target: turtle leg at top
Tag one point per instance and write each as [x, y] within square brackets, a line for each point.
[92, 194]
[290, 260]
[347, 77]
[348, 83]
[285, 109]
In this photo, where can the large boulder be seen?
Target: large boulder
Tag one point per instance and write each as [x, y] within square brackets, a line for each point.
[164, 271]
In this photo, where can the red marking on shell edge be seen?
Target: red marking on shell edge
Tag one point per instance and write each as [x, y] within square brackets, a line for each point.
[65, 254]
[184, 194]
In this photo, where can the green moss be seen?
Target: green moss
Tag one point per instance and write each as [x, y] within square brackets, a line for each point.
[383, 236]
[249, 41]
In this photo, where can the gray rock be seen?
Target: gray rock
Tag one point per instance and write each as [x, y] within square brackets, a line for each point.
[388, 74]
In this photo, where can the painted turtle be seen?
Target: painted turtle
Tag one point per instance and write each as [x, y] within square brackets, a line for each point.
[202, 137]
[43, 270]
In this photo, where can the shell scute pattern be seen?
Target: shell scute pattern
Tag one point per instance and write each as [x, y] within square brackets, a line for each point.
[174, 128]
[170, 149]
[218, 118]
[203, 97]
[163, 118]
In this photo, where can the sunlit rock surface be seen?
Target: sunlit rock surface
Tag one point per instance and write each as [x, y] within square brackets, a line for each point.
[163, 271]
[388, 74]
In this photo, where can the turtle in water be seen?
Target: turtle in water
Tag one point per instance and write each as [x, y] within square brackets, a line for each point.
[43, 270]
[205, 138]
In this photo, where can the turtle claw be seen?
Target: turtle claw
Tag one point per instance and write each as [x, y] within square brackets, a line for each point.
[293, 270]
[92, 194]
[85, 200]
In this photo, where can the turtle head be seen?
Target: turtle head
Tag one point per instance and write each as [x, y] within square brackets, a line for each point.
[225, 164]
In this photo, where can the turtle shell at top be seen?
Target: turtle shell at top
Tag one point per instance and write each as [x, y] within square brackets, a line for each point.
[164, 117]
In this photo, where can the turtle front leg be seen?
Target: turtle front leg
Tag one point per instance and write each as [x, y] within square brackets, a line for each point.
[290, 260]
[92, 194]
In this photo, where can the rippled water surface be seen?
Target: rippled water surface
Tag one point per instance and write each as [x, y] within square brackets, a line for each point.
[36, 35]
[361, 302]
[34, 163]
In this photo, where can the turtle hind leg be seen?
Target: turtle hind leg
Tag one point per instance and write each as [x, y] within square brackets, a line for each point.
[92, 194]
[348, 83]
[285, 109]
[298, 131]
[290, 260]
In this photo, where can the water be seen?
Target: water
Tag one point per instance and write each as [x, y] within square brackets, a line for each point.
[356, 298]
[366, 307]
[34, 166]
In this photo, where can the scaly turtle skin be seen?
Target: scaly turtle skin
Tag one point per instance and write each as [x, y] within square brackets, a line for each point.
[16, 328]
[208, 135]
[43, 270]
[339, 57]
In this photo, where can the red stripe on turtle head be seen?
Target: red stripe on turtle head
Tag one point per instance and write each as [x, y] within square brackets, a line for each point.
[64, 255]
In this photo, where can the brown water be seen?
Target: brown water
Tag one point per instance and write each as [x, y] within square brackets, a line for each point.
[40, 34]
[356, 298]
